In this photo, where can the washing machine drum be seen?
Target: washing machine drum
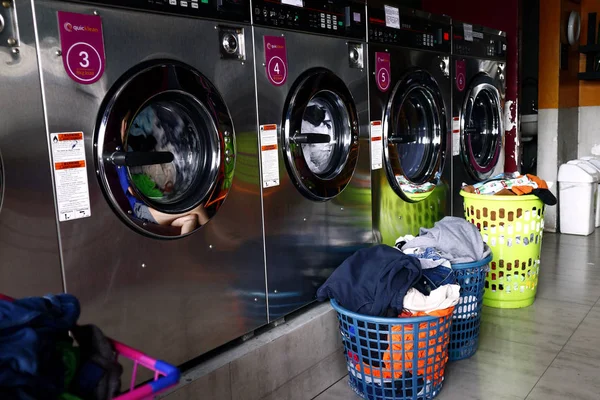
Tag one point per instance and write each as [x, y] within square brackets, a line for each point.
[320, 135]
[482, 127]
[165, 149]
[415, 136]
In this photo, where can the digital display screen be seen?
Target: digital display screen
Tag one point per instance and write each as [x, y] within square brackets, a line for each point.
[295, 3]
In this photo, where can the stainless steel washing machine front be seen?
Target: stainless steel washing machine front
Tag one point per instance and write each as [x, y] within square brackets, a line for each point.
[29, 249]
[410, 100]
[312, 110]
[478, 67]
[164, 256]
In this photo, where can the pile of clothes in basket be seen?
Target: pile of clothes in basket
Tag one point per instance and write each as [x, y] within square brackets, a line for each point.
[414, 278]
[513, 184]
[40, 360]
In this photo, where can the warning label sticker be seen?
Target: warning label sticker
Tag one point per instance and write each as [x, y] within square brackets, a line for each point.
[376, 145]
[269, 155]
[455, 136]
[70, 175]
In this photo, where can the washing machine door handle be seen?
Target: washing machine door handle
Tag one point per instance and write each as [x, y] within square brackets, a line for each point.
[404, 139]
[140, 158]
[310, 138]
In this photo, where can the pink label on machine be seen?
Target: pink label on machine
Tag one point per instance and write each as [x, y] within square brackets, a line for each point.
[82, 46]
[275, 59]
[461, 75]
[382, 71]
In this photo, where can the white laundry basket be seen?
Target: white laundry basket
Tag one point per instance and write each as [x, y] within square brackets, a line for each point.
[577, 191]
[594, 162]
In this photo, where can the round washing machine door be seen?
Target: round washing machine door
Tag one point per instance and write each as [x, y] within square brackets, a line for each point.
[481, 128]
[165, 149]
[414, 136]
[320, 135]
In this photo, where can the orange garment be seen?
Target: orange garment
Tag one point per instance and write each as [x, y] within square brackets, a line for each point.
[402, 360]
[522, 190]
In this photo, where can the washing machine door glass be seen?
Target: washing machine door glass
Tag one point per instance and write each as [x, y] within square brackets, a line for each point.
[414, 136]
[481, 139]
[165, 149]
[320, 135]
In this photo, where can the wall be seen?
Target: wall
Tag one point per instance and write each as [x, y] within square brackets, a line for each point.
[502, 16]
[558, 115]
[589, 94]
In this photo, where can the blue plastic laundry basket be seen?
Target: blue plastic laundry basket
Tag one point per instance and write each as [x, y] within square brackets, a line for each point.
[464, 338]
[412, 369]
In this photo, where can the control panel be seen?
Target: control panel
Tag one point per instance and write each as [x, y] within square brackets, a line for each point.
[338, 18]
[408, 29]
[229, 10]
[476, 41]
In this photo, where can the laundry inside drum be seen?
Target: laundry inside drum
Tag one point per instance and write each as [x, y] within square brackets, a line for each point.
[325, 114]
[166, 126]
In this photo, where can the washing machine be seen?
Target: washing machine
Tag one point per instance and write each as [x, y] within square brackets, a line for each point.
[478, 70]
[312, 110]
[151, 125]
[29, 249]
[410, 99]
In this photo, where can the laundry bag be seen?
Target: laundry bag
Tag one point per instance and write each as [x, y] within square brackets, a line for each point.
[513, 227]
[464, 337]
[412, 368]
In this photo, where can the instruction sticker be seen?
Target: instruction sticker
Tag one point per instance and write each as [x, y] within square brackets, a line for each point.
[468, 32]
[392, 17]
[376, 145]
[455, 136]
[269, 155]
[70, 175]
[82, 46]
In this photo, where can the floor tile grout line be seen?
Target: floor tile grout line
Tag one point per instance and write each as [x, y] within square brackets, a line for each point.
[561, 349]
[336, 382]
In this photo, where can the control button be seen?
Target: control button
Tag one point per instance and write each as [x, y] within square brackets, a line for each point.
[322, 15]
[194, 5]
[328, 26]
[335, 27]
[257, 11]
[322, 25]
[183, 3]
[173, 2]
[328, 17]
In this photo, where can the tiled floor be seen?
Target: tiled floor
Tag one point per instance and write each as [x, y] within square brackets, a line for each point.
[549, 351]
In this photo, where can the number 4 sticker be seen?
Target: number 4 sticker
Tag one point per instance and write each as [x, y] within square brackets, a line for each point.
[275, 59]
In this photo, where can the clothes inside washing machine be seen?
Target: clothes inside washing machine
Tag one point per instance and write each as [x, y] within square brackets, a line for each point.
[324, 115]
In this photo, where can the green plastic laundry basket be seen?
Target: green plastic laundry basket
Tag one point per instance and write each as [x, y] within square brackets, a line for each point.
[513, 227]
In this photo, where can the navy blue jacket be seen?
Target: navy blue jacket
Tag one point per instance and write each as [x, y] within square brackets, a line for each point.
[373, 281]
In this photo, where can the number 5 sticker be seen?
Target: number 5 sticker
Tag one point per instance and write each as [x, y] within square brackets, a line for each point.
[382, 71]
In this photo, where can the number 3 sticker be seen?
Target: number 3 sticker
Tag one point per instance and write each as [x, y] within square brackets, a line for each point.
[86, 62]
[82, 49]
